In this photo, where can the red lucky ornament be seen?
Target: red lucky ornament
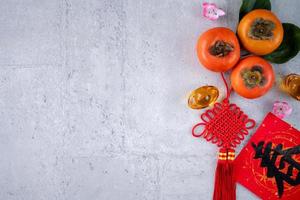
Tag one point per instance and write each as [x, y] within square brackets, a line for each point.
[269, 165]
[224, 125]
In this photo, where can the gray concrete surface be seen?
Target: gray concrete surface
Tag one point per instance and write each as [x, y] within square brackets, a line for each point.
[93, 99]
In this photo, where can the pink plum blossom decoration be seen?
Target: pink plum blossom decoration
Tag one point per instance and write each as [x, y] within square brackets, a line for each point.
[211, 11]
[281, 109]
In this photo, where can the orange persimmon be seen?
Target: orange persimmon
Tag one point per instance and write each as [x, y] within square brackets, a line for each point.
[252, 77]
[218, 49]
[260, 32]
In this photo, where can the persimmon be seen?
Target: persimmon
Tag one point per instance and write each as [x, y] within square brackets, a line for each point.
[252, 77]
[260, 32]
[218, 49]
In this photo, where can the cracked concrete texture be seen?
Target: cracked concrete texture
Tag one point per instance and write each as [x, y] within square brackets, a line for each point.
[93, 99]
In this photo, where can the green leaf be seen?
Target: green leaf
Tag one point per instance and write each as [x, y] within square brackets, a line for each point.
[289, 47]
[249, 5]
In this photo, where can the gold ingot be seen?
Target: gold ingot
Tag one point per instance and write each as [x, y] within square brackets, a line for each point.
[291, 85]
[203, 97]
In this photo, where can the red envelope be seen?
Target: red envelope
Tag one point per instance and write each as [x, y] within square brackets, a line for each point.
[269, 165]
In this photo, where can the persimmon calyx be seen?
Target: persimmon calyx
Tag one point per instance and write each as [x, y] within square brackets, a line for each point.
[261, 29]
[253, 77]
[220, 48]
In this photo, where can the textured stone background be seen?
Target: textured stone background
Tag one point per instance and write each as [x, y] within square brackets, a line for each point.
[93, 99]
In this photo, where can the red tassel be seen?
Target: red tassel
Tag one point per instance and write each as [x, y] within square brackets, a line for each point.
[225, 186]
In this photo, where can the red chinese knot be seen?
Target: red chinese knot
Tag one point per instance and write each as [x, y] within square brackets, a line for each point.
[224, 125]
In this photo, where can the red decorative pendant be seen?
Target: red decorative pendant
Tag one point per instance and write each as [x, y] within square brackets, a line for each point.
[226, 126]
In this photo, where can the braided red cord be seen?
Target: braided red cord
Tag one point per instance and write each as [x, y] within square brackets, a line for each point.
[226, 85]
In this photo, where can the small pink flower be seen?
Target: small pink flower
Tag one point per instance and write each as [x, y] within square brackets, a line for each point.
[211, 11]
[281, 109]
